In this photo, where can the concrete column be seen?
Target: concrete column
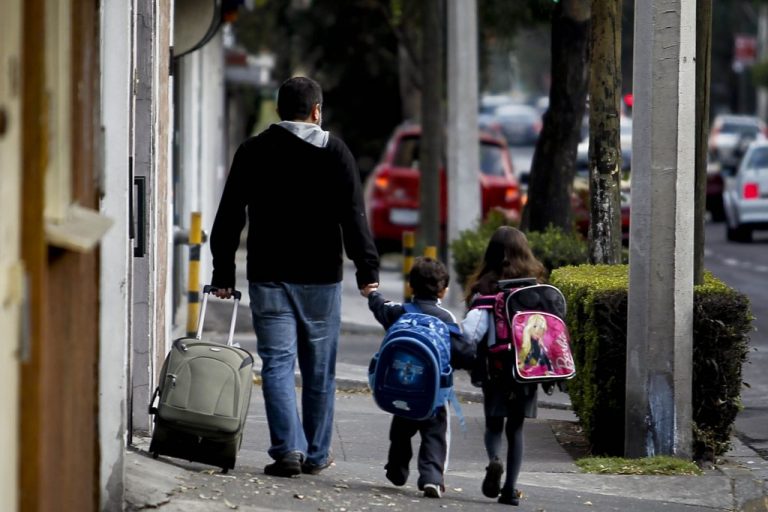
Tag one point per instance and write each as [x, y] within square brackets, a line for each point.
[214, 154]
[659, 326]
[116, 250]
[462, 141]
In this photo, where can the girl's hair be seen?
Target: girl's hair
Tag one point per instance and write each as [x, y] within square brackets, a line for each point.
[508, 256]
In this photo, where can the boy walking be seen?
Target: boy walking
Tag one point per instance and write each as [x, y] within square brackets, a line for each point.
[429, 281]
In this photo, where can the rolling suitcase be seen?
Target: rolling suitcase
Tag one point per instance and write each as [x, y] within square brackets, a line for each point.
[201, 402]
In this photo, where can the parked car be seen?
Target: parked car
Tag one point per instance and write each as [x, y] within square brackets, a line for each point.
[729, 137]
[745, 194]
[728, 133]
[520, 124]
[580, 206]
[392, 190]
[625, 138]
[580, 201]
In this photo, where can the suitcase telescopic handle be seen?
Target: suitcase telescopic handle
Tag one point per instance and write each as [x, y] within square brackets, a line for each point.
[207, 291]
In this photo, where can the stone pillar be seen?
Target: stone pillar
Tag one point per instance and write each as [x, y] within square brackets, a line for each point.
[462, 142]
[659, 325]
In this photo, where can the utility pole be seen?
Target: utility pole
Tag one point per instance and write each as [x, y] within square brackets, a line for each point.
[463, 146]
[431, 150]
[660, 313]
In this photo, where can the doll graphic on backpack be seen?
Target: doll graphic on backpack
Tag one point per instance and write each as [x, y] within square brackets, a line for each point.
[533, 352]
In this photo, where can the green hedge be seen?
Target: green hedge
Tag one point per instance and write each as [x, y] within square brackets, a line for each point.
[553, 247]
[597, 321]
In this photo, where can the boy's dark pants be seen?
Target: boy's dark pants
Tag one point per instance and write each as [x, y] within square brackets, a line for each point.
[432, 451]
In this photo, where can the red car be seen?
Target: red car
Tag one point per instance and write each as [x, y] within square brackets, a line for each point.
[392, 189]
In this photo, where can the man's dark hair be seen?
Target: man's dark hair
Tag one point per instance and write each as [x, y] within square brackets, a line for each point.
[296, 97]
[428, 277]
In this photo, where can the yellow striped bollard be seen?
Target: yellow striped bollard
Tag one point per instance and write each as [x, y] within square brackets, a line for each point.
[193, 280]
[430, 251]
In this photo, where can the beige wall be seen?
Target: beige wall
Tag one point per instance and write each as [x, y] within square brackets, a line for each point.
[11, 275]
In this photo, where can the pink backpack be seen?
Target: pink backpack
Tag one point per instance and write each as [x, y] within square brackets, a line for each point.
[530, 341]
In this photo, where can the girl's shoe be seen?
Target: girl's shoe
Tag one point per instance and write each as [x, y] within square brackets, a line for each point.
[492, 480]
[508, 497]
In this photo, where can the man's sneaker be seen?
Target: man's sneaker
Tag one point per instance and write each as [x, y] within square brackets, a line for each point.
[432, 491]
[286, 466]
[315, 469]
[492, 481]
[396, 475]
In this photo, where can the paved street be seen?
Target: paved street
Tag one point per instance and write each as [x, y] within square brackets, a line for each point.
[745, 268]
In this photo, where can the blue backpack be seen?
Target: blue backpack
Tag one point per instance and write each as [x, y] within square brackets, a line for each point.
[411, 374]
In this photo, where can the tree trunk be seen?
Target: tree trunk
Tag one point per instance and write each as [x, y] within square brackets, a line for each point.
[604, 133]
[430, 151]
[551, 180]
[703, 67]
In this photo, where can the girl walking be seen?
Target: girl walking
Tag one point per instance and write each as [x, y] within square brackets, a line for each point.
[506, 402]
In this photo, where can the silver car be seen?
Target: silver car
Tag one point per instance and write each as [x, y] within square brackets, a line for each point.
[745, 194]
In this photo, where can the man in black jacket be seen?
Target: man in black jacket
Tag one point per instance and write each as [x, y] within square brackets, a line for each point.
[301, 190]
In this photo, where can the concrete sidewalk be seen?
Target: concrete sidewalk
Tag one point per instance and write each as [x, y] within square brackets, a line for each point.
[549, 480]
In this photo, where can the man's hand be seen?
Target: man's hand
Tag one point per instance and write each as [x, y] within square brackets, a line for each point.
[366, 291]
[223, 293]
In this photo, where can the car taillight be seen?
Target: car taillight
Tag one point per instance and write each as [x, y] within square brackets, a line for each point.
[751, 191]
[511, 194]
[381, 182]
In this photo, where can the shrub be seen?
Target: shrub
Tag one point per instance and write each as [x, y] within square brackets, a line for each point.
[597, 321]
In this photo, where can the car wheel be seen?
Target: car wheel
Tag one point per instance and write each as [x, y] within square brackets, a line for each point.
[738, 234]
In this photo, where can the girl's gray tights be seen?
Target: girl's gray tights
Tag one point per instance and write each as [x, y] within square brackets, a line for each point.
[494, 426]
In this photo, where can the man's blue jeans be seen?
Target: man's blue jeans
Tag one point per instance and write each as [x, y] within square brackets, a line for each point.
[298, 320]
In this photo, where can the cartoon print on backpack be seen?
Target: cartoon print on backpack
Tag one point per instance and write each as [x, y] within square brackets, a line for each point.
[533, 350]
[542, 345]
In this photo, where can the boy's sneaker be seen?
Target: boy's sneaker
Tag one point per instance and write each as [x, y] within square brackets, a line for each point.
[508, 497]
[492, 481]
[315, 469]
[396, 475]
[286, 466]
[432, 491]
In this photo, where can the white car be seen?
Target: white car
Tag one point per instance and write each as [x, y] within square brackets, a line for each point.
[729, 132]
[745, 194]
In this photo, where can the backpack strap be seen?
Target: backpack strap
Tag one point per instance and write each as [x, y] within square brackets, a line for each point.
[483, 302]
[412, 307]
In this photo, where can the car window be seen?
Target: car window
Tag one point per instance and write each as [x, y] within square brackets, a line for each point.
[758, 160]
[491, 156]
[739, 128]
[407, 152]
[491, 159]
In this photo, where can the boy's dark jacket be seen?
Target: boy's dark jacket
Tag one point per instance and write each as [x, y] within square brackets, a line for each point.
[387, 313]
[302, 202]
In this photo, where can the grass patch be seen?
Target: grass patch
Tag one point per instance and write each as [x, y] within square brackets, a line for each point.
[659, 465]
